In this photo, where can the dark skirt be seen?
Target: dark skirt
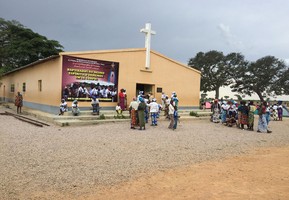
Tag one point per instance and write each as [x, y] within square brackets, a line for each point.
[141, 117]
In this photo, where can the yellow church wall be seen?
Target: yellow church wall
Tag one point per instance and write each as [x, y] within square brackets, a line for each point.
[175, 77]
[48, 73]
[164, 73]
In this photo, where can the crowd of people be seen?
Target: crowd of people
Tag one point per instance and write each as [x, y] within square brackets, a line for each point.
[86, 91]
[143, 107]
[242, 114]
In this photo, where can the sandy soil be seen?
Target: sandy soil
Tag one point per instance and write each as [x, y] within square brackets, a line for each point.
[262, 174]
[199, 160]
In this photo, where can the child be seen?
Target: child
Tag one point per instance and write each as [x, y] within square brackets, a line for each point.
[63, 107]
[95, 105]
[75, 110]
[118, 109]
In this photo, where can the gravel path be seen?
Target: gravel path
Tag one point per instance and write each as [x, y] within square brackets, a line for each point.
[55, 162]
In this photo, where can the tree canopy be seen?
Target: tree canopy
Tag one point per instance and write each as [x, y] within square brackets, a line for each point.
[268, 76]
[216, 68]
[20, 46]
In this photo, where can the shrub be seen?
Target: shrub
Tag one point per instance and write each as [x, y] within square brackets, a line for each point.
[195, 114]
[102, 116]
[119, 117]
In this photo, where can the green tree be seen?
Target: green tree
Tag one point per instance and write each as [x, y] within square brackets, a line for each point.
[20, 46]
[238, 97]
[267, 76]
[284, 82]
[216, 68]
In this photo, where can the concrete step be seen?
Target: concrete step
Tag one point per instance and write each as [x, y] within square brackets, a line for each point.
[126, 113]
[80, 122]
[86, 117]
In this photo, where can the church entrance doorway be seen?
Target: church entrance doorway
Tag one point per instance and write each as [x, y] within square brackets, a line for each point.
[146, 88]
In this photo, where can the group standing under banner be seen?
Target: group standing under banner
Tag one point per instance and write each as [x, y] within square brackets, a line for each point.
[141, 108]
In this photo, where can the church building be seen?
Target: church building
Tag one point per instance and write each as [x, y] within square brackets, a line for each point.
[73, 75]
[44, 83]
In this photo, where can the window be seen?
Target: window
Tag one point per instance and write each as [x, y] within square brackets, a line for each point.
[24, 87]
[12, 88]
[39, 85]
[159, 90]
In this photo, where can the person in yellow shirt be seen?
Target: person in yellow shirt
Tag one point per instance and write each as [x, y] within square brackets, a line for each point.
[252, 108]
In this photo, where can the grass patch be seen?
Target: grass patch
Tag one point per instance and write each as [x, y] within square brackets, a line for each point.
[194, 114]
[102, 117]
[119, 117]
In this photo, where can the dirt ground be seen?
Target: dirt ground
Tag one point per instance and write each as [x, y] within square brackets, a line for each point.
[262, 174]
[57, 163]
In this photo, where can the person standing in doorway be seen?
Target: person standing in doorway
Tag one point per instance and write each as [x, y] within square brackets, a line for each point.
[19, 102]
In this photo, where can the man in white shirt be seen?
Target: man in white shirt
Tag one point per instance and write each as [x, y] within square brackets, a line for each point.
[154, 109]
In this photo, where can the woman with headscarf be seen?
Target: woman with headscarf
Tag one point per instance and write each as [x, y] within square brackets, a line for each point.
[243, 114]
[141, 113]
[133, 113]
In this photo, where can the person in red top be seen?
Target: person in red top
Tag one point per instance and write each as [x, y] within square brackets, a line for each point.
[122, 99]
[19, 102]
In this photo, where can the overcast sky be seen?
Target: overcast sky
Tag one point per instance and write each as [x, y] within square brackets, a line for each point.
[255, 28]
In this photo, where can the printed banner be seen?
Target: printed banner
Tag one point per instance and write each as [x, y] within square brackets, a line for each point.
[83, 79]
